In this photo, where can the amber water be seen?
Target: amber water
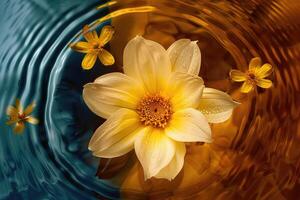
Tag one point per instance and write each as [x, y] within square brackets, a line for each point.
[255, 154]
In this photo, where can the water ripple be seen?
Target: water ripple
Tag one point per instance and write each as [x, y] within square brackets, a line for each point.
[259, 148]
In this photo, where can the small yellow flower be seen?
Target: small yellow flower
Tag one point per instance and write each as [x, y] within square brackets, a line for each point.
[18, 117]
[157, 105]
[255, 76]
[93, 48]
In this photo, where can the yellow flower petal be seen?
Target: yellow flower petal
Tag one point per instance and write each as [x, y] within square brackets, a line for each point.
[90, 36]
[264, 83]
[216, 105]
[83, 47]
[106, 34]
[28, 110]
[185, 90]
[246, 87]
[19, 107]
[185, 56]
[148, 62]
[154, 150]
[120, 147]
[115, 137]
[12, 121]
[111, 92]
[263, 71]
[237, 75]
[32, 120]
[174, 167]
[254, 63]
[189, 125]
[89, 61]
[12, 112]
[95, 35]
[19, 127]
[106, 58]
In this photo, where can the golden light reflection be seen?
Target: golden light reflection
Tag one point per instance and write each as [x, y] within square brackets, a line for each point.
[255, 154]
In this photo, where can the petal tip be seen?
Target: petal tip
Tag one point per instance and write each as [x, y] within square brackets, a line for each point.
[236, 103]
[138, 37]
[210, 140]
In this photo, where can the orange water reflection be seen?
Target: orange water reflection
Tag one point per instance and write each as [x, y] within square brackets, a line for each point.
[255, 154]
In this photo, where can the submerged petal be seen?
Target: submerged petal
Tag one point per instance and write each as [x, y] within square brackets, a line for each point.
[185, 56]
[106, 34]
[19, 106]
[185, 90]
[148, 62]
[217, 106]
[254, 63]
[115, 137]
[154, 150]
[264, 83]
[89, 61]
[12, 112]
[28, 110]
[174, 167]
[237, 75]
[111, 92]
[19, 127]
[32, 120]
[246, 87]
[11, 121]
[189, 125]
[106, 58]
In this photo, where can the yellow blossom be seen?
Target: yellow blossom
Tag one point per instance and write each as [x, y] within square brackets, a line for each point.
[255, 76]
[18, 117]
[157, 105]
[93, 47]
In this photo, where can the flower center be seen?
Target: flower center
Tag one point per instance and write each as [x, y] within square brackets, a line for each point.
[97, 46]
[21, 117]
[155, 111]
[251, 77]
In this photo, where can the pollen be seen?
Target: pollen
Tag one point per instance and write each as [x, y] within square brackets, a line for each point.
[155, 110]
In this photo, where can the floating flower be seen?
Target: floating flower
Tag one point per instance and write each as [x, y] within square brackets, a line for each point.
[255, 76]
[93, 48]
[155, 107]
[18, 117]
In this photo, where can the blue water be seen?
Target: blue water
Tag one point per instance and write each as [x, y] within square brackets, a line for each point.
[49, 160]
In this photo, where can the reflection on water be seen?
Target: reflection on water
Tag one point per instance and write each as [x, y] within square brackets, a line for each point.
[255, 154]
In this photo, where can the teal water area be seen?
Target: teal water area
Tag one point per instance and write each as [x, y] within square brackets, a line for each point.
[49, 160]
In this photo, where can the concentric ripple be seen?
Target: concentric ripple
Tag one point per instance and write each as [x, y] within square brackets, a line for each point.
[255, 155]
[49, 161]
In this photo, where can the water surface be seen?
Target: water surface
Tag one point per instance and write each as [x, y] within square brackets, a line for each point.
[255, 154]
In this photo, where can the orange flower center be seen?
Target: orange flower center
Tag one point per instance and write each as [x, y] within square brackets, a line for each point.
[21, 116]
[155, 111]
[97, 46]
[251, 78]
